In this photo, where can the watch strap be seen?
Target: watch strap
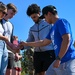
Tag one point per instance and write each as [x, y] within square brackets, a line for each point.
[58, 58]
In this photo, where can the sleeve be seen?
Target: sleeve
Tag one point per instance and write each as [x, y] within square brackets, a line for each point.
[48, 36]
[64, 27]
[29, 39]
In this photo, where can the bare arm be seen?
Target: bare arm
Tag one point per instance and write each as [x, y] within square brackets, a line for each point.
[10, 46]
[64, 45]
[13, 50]
[3, 37]
[17, 56]
[13, 47]
[37, 43]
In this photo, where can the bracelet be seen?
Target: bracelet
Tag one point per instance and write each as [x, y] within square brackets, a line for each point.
[58, 58]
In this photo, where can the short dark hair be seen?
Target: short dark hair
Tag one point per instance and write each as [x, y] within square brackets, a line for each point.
[33, 8]
[12, 6]
[49, 8]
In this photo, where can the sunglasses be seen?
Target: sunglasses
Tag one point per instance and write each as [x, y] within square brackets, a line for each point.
[4, 12]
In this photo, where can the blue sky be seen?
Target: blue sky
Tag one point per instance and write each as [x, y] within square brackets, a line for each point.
[22, 23]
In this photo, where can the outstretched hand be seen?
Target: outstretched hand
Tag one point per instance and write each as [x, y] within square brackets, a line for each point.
[23, 43]
[20, 46]
[13, 48]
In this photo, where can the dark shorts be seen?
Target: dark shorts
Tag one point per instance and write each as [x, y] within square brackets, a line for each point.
[10, 60]
[42, 60]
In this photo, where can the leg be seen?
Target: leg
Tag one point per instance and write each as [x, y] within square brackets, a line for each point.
[15, 69]
[42, 73]
[10, 64]
[14, 72]
[37, 63]
[0, 61]
[19, 70]
[19, 67]
[70, 67]
[60, 70]
[9, 72]
[50, 70]
[19, 73]
[4, 63]
[56, 71]
[49, 57]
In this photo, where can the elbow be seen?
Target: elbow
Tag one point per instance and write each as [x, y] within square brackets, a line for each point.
[67, 40]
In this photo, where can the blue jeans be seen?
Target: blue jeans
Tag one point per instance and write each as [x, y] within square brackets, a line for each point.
[67, 68]
[3, 58]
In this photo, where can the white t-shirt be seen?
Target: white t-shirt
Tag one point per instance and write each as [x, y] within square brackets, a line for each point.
[8, 29]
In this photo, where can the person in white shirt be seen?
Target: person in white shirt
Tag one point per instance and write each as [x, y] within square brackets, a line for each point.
[3, 48]
[11, 11]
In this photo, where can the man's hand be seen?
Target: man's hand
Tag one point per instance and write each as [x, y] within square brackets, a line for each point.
[23, 43]
[17, 57]
[20, 46]
[56, 63]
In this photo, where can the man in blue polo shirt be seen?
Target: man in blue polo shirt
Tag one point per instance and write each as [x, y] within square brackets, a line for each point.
[63, 40]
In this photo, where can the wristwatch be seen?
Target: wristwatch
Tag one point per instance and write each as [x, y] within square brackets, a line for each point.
[58, 58]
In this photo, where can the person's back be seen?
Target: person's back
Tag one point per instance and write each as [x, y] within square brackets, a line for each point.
[38, 32]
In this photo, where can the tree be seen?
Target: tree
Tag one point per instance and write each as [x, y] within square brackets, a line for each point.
[24, 62]
[29, 54]
[27, 62]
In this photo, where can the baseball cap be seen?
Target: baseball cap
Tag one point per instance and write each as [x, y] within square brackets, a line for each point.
[49, 8]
